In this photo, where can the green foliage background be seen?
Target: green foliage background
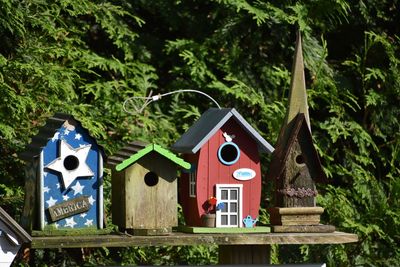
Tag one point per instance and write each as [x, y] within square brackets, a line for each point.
[86, 57]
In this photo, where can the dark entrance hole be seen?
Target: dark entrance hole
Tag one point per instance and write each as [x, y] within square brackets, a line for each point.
[71, 162]
[151, 179]
[229, 153]
[300, 159]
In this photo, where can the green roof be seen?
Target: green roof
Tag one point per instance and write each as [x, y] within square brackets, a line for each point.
[149, 148]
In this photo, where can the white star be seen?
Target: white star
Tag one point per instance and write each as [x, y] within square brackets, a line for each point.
[78, 136]
[91, 200]
[70, 222]
[55, 137]
[46, 189]
[83, 215]
[51, 202]
[58, 185]
[71, 163]
[78, 188]
[65, 197]
[88, 222]
[66, 132]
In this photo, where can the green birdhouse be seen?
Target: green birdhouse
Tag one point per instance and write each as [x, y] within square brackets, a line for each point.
[144, 189]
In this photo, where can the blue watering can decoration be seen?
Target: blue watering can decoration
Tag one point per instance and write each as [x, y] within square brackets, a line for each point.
[249, 222]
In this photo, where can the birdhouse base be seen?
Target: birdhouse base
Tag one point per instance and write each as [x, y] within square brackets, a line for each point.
[148, 232]
[321, 228]
[71, 232]
[295, 215]
[298, 220]
[223, 230]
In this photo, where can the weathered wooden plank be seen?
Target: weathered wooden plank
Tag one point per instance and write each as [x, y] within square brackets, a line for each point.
[159, 231]
[182, 239]
[139, 207]
[244, 254]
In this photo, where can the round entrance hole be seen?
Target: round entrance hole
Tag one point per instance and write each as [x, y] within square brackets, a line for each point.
[151, 179]
[300, 159]
[228, 153]
[71, 162]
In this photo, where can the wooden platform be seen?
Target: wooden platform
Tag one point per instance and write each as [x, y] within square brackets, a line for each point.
[182, 239]
[224, 230]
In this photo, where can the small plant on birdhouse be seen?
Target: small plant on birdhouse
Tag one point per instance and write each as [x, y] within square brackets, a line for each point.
[211, 205]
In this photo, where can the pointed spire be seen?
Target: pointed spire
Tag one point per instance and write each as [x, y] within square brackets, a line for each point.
[297, 102]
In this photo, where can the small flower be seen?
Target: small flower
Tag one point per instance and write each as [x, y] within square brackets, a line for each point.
[211, 204]
[291, 192]
[212, 201]
[301, 192]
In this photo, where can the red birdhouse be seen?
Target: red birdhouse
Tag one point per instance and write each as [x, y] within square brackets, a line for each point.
[225, 179]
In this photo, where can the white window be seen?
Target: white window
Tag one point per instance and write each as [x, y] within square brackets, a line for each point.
[230, 198]
[192, 183]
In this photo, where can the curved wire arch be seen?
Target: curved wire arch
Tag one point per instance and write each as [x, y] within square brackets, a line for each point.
[149, 99]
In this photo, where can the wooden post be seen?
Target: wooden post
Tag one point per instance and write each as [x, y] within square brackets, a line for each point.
[244, 254]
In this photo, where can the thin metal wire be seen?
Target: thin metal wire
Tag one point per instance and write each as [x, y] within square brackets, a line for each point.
[148, 99]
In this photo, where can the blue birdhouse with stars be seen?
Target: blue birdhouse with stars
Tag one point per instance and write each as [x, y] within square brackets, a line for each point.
[64, 178]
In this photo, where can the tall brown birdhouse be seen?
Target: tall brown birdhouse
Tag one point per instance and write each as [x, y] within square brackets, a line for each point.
[144, 189]
[295, 167]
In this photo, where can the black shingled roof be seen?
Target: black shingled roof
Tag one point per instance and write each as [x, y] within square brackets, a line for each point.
[208, 124]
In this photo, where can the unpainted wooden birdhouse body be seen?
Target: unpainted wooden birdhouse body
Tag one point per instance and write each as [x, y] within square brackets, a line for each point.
[144, 189]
